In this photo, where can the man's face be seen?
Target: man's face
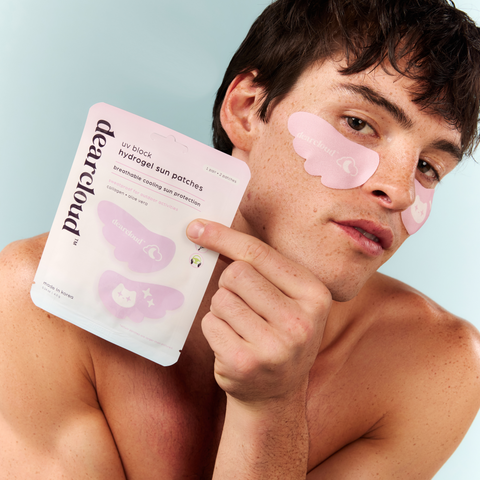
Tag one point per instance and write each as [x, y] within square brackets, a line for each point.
[344, 236]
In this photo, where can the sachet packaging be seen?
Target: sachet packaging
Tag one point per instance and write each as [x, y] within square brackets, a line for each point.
[117, 262]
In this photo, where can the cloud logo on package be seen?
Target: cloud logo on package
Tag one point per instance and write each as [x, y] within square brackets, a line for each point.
[143, 250]
[341, 163]
[416, 215]
[136, 300]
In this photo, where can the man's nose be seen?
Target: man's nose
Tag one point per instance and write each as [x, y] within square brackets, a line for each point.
[393, 183]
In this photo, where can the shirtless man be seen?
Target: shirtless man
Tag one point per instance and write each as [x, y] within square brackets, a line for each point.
[307, 362]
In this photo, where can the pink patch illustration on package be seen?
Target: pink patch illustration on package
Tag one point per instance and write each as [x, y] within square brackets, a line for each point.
[143, 250]
[136, 300]
[416, 215]
[341, 163]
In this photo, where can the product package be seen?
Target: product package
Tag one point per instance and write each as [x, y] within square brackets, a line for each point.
[117, 262]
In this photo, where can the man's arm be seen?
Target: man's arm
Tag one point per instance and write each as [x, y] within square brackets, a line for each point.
[51, 425]
[265, 327]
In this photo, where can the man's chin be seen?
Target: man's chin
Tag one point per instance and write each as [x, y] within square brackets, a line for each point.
[344, 290]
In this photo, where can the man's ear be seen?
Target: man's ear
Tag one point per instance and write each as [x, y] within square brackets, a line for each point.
[239, 111]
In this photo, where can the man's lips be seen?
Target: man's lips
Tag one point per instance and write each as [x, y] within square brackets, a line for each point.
[371, 230]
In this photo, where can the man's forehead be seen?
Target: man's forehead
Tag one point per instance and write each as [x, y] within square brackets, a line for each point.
[381, 79]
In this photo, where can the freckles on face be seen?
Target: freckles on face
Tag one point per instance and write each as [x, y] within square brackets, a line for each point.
[293, 218]
[272, 180]
[292, 202]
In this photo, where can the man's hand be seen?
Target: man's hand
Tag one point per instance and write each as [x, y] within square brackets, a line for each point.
[265, 326]
[266, 320]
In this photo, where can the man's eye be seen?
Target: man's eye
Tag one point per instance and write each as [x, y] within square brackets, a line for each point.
[359, 125]
[428, 170]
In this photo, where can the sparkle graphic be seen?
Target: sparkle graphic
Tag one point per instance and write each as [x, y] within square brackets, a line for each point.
[146, 293]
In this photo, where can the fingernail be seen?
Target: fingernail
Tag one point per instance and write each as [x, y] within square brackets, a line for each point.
[195, 229]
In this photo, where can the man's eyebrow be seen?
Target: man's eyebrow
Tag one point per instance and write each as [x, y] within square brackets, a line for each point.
[448, 147]
[376, 98]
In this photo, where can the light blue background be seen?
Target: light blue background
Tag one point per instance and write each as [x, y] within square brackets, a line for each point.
[163, 60]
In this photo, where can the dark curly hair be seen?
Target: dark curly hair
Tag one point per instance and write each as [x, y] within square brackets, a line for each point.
[429, 41]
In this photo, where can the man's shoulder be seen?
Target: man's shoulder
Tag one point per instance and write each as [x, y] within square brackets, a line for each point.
[396, 302]
[20, 320]
[18, 263]
[423, 366]
[410, 384]
[409, 314]
[422, 341]
[19, 260]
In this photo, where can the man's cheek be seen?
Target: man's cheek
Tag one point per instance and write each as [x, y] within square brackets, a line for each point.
[416, 215]
[343, 164]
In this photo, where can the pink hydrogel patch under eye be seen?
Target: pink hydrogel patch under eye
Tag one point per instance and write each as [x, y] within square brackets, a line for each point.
[341, 163]
[417, 214]
[136, 300]
[143, 250]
